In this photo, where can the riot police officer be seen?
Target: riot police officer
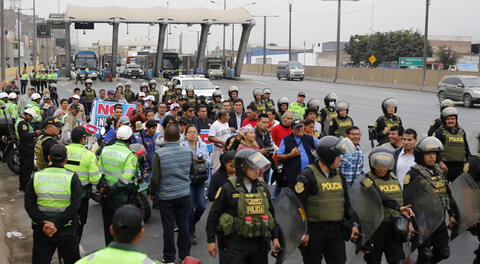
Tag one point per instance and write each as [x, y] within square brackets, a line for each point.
[282, 105]
[328, 111]
[152, 84]
[119, 166]
[52, 200]
[454, 140]
[473, 168]
[389, 236]
[51, 129]
[340, 123]
[437, 123]
[233, 93]
[84, 163]
[243, 211]
[26, 143]
[258, 100]
[191, 97]
[215, 105]
[168, 93]
[426, 153]
[88, 95]
[266, 98]
[128, 94]
[387, 120]
[322, 192]
[178, 90]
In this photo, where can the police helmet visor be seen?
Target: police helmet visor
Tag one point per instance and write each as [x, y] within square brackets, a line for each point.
[344, 146]
[257, 161]
[390, 102]
[382, 160]
[430, 144]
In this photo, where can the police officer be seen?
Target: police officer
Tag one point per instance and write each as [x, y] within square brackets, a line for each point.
[322, 192]
[387, 120]
[84, 163]
[258, 101]
[51, 129]
[191, 97]
[282, 105]
[215, 105]
[152, 84]
[43, 80]
[128, 93]
[34, 105]
[243, 211]
[88, 95]
[127, 230]
[454, 140]
[26, 143]
[388, 238]
[328, 111]
[178, 90]
[52, 200]
[473, 168]
[32, 76]
[340, 123]
[266, 98]
[11, 108]
[118, 165]
[426, 154]
[437, 123]
[168, 93]
[23, 82]
[233, 93]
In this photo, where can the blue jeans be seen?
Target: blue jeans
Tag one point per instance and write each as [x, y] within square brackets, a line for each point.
[197, 193]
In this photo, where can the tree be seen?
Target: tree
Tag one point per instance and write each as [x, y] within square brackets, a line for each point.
[386, 47]
[447, 56]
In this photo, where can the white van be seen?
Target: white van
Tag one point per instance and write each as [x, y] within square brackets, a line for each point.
[290, 70]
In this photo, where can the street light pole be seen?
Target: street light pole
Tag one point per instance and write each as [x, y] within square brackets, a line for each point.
[290, 30]
[34, 38]
[425, 42]
[339, 17]
[18, 43]
[264, 43]
[2, 44]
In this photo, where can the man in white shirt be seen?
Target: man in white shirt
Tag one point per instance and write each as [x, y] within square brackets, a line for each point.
[218, 135]
[404, 158]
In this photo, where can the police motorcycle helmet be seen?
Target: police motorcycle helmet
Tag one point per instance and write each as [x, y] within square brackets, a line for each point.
[381, 157]
[446, 103]
[283, 100]
[232, 89]
[267, 91]
[129, 84]
[427, 145]
[52, 85]
[342, 105]
[190, 88]
[389, 102]
[124, 133]
[178, 87]
[331, 97]
[314, 103]
[216, 93]
[12, 96]
[152, 82]
[330, 147]
[249, 158]
[88, 81]
[30, 112]
[257, 92]
[449, 111]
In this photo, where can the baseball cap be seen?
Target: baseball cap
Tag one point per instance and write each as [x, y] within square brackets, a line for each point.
[141, 94]
[297, 123]
[150, 97]
[76, 96]
[58, 152]
[78, 133]
[35, 96]
[110, 92]
[127, 220]
[173, 106]
[301, 94]
[52, 121]
[124, 120]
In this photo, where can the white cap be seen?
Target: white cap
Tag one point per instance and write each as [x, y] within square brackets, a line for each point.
[30, 112]
[35, 96]
[172, 106]
[150, 97]
[141, 94]
[124, 132]
[3, 95]
[12, 96]
[76, 96]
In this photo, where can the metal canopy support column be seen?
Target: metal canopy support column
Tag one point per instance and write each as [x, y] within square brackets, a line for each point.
[113, 62]
[161, 42]
[68, 49]
[246, 29]
[202, 45]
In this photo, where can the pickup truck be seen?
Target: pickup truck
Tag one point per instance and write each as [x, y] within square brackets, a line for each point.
[130, 70]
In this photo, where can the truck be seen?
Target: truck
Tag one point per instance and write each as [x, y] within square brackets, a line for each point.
[131, 70]
[214, 68]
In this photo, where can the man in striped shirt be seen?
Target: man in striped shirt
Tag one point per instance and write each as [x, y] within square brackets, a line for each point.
[351, 166]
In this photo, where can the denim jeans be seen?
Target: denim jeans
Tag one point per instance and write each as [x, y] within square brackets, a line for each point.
[175, 211]
[197, 194]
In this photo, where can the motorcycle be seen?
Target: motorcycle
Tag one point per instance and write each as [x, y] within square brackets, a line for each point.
[8, 143]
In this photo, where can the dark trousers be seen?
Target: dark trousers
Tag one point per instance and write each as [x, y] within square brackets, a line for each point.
[26, 165]
[241, 250]
[109, 206]
[327, 240]
[83, 217]
[44, 247]
[197, 194]
[175, 211]
[454, 170]
[436, 248]
[88, 109]
[384, 241]
[23, 86]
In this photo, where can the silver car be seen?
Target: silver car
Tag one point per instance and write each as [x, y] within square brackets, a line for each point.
[465, 88]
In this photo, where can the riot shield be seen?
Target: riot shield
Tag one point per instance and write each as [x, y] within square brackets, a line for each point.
[292, 220]
[367, 205]
[428, 209]
[466, 194]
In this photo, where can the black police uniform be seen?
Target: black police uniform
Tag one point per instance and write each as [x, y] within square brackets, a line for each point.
[383, 122]
[48, 142]
[473, 168]
[26, 144]
[436, 124]
[238, 249]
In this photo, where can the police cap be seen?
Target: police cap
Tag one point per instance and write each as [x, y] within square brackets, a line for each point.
[58, 152]
[127, 221]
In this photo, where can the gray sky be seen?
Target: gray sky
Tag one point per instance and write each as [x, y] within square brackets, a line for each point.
[313, 21]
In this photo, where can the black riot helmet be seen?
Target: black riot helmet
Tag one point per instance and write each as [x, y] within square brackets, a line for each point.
[427, 145]
[331, 97]
[381, 157]
[249, 158]
[330, 147]
[390, 101]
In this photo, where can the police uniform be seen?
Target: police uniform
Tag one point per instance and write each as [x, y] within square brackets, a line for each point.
[456, 150]
[168, 95]
[38, 114]
[192, 100]
[119, 166]
[53, 195]
[26, 144]
[11, 108]
[383, 122]
[473, 168]
[297, 109]
[23, 82]
[42, 147]
[269, 103]
[130, 96]
[155, 94]
[329, 214]
[436, 124]
[338, 125]
[88, 95]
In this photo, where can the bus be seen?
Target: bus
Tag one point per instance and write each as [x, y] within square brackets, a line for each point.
[87, 62]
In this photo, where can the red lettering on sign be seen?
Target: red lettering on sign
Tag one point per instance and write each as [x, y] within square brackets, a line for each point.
[104, 109]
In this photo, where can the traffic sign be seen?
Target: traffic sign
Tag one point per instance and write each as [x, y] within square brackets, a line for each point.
[372, 59]
[410, 61]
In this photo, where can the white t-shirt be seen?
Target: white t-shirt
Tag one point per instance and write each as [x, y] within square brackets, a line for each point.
[404, 163]
[219, 130]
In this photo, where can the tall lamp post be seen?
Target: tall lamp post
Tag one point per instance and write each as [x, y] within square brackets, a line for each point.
[290, 30]
[2, 41]
[265, 41]
[425, 42]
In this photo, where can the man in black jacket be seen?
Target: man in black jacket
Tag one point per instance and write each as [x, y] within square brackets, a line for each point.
[264, 141]
[237, 115]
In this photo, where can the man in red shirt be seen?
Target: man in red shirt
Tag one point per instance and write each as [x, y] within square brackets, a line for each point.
[283, 129]
[252, 116]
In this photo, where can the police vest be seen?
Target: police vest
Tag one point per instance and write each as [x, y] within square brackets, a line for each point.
[116, 255]
[253, 216]
[192, 100]
[391, 123]
[30, 128]
[84, 163]
[328, 205]
[34, 106]
[155, 94]
[454, 146]
[53, 190]
[43, 77]
[297, 109]
[129, 95]
[168, 95]
[392, 188]
[12, 109]
[89, 96]
[438, 182]
[113, 159]
[330, 114]
[24, 77]
[41, 160]
[342, 125]
[270, 104]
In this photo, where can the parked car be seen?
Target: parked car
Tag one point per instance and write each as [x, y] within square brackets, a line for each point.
[290, 70]
[465, 88]
[131, 70]
[202, 85]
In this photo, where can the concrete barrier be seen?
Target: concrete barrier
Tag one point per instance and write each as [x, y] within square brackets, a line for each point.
[391, 78]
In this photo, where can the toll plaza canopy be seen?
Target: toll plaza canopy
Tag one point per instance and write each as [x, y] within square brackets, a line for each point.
[115, 15]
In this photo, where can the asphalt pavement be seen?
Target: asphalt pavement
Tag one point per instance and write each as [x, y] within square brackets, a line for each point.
[417, 110]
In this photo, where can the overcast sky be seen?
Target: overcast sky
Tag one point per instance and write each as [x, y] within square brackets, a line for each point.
[313, 21]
